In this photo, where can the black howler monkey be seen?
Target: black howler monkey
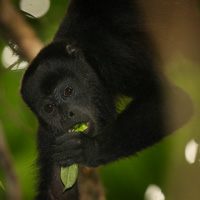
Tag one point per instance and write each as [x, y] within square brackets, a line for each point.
[100, 52]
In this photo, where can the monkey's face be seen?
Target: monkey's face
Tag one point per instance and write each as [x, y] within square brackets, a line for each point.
[67, 104]
[63, 93]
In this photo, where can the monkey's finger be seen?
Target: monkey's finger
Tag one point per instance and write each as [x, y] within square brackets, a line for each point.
[67, 136]
[68, 145]
[65, 158]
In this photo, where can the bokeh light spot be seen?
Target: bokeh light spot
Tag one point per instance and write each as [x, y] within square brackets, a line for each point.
[154, 192]
[191, 150]
[9, 59]
[36, 8]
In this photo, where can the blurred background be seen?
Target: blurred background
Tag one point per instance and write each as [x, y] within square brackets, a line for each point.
[171, 169]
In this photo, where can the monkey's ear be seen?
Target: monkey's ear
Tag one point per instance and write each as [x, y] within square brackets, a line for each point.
[73, 51]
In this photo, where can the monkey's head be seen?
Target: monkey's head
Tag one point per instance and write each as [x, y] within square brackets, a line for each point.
[62, 89]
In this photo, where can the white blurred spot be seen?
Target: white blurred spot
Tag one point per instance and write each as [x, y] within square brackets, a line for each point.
[191, 151]
[37, 8]
[8, 59]
[154, 192]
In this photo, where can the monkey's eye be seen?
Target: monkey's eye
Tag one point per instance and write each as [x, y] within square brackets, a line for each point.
[49, 108]
[68, 91]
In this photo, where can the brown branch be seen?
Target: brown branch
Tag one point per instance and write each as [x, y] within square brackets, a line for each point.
[13, 188]
[90, 186]
[14, 27]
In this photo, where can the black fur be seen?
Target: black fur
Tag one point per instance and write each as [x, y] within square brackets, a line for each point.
[100, 50]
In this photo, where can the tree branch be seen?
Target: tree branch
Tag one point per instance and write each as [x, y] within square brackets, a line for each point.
[14, 27]
[90, 186]
[13, 188]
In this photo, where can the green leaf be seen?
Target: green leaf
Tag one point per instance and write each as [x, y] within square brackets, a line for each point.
[122, 102]
[69, 176]
[1, 185]
[80, 127]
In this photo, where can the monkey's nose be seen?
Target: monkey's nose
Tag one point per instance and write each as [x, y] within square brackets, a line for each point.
[70, 114]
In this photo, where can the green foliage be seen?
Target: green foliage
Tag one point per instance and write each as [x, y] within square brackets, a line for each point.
[129, 178]
[122, 102]
[2, 186]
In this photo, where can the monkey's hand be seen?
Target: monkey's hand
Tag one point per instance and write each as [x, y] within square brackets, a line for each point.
[76, 148]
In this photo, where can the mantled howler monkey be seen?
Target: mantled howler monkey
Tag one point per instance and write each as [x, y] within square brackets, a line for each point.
[100, 52]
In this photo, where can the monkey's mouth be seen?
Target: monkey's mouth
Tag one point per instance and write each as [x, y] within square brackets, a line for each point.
[80, 127]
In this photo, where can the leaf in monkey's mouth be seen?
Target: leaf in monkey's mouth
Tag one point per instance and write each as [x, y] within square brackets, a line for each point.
[81, 127]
